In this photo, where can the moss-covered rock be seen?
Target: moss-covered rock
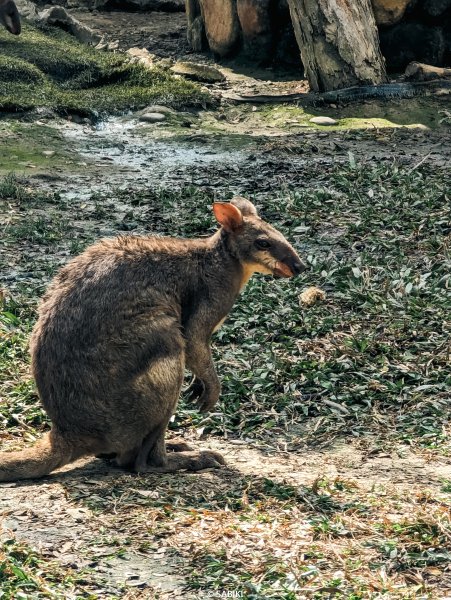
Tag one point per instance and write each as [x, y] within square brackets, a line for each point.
[48, 68]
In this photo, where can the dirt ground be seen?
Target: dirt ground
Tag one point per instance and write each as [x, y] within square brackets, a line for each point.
[135, 535]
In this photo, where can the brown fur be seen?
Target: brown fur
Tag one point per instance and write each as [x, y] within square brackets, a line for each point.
[116, 329]
[9, 16]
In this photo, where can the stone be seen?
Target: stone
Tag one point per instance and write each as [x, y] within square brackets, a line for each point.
[198, 72]
[323, 121]
[389, 12]
[27, 9]
[221, 23]
[436, 7]
[142, 56]
[152, 117]
[407, 42]
[157, 108]
[196, 34]
[48, 153]
[58, 16]
[420, 72]
[256, 28]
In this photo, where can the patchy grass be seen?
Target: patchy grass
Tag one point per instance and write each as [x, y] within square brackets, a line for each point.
[24, 573]
[49, 68]
[377, 239]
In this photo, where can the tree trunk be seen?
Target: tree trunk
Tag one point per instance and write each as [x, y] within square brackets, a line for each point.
[339, 43]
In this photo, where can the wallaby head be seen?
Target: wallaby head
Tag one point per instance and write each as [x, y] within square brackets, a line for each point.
[258, 246]
[9, 16]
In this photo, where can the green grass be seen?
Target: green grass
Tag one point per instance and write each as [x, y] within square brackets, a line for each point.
[25, 574]
[49, 68]
[377, 240]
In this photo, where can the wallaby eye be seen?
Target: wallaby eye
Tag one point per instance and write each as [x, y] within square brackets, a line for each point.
[262, 244]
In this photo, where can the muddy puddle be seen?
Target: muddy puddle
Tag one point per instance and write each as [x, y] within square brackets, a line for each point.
[133, 148]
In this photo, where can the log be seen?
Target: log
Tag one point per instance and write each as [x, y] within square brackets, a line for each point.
[222, 26]
[339, 43]
[420, 72]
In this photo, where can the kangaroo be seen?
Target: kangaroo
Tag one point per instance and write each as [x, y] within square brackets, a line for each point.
[116, 329]
[9, 16]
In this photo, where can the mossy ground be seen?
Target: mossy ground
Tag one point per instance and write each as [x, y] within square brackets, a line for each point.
[49, 68]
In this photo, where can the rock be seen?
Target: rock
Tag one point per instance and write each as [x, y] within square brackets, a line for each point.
[198, 72]
[27, 10]
[144, 5]
[256, 27]
[58, 16]
[142, 56]
[196, 34]
[152, 117]
[323, 121]
[48, 153]
[420, 72]
[223, 31]
[157, 108]
[436, 7]
[389, 12]
[164, 63]
[407, 42]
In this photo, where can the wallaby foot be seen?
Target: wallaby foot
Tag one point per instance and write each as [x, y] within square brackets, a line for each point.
[153, 456]
[191, 461]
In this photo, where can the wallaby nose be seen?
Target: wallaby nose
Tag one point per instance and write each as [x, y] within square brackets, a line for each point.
[298, 267]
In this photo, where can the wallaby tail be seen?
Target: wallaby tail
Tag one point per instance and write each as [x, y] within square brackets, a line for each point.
[49, 453]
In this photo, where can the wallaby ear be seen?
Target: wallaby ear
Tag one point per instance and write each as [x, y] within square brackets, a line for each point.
[228, 215]
[246, 207]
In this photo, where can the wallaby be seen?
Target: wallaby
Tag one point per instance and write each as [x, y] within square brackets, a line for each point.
[9, 16]
[116, 329]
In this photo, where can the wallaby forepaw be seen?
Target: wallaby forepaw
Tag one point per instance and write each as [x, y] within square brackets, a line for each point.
[195, 389]
[207, 459]
[207, 402]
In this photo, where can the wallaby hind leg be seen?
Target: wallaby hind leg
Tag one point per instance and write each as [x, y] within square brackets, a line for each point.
[153, 457]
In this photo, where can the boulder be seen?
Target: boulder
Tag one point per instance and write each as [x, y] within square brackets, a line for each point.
[196, 34]
[407, 42]
[436, 7]
[420, 72]
[58, 16]
[389, 12]
[27, 9]
[257, 30]
[198, 72]
[222, 26]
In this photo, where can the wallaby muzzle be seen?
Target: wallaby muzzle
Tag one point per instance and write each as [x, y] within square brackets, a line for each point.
[289, 267]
